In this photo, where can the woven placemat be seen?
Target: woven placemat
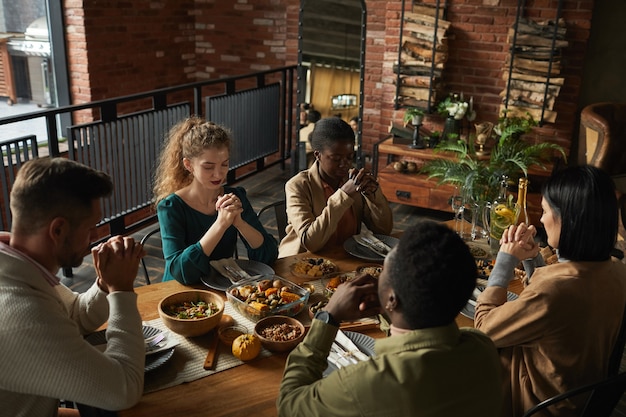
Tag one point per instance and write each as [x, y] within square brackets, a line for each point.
[187, 362]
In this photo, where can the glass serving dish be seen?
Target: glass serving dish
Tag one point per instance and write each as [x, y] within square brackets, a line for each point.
[267, 295]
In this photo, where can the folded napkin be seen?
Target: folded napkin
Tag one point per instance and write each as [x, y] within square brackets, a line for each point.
[346, 343]
[344, 352]
[229, 268]
[168, 342]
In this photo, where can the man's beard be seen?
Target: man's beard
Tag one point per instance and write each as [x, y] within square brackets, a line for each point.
[70, 258]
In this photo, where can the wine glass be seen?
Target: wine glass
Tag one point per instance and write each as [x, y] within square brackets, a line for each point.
[458, 206]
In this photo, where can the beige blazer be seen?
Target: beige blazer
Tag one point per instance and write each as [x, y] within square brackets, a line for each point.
[312, 219]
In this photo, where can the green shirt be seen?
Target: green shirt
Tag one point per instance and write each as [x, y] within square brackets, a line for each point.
[441, 371]
[181, 230]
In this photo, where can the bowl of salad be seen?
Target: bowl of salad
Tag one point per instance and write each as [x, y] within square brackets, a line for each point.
[191, 313]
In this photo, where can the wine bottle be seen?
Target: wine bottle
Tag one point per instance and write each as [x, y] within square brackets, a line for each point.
[522, 192]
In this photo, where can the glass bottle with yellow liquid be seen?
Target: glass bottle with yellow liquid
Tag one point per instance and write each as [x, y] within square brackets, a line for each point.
[522, 192]
[503, 213]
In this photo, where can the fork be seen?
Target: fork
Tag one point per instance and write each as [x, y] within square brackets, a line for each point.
[380, 246]
[235, 274]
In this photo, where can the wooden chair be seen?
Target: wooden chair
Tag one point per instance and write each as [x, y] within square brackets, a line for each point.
[280, 213]
[603, 397]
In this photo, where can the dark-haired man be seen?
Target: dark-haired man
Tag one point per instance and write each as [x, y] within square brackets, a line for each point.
[428, 366]
[56, 205]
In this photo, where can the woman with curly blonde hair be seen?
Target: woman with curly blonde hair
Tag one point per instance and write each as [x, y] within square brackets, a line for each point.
[199, 217]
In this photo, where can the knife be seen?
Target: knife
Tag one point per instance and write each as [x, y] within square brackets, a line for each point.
[210, 361]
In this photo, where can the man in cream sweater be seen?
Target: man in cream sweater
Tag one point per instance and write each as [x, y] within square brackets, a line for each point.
[56, 206]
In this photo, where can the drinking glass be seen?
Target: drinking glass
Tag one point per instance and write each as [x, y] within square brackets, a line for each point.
[458, 207]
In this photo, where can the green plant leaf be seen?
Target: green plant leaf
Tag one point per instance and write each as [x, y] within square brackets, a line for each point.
[480, 178]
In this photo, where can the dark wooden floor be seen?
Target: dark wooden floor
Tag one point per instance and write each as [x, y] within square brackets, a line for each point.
[262, 189]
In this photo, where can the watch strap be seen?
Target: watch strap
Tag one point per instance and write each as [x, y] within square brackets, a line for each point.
[327, 318]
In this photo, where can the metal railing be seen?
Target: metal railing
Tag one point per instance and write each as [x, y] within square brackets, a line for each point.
[123, 135]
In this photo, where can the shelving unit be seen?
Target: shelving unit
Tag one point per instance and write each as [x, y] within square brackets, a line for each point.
[411, 78]
[550, 88]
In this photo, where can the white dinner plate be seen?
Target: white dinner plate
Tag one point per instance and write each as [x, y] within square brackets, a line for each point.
[468, 310]
[362, 252]
[219, 282]
[153, 360]
[363, 342]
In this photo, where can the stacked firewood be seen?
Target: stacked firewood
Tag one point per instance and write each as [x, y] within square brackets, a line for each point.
[535, 81]
[423, 54]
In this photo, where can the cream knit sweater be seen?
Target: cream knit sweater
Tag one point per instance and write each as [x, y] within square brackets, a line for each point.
[43, 354]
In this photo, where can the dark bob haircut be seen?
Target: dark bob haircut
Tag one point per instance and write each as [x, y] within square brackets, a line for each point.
[329, 131]
[583, 197]
[432, 273]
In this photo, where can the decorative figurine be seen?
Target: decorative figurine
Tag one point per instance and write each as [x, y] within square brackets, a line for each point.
[483, 132]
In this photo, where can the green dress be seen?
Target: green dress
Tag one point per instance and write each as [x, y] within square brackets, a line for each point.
[182, 227]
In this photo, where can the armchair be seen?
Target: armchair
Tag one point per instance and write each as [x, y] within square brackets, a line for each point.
[602, 143]
[602, 140]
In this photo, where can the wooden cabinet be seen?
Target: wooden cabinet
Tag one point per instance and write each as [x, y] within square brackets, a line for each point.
[417, 190]
[409, 188]
[414, 190]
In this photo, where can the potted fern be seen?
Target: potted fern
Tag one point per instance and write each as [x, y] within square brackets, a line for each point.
[480, 176]
[413, 115]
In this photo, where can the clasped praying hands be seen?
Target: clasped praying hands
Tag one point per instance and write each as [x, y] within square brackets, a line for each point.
[519, 241]
[229, 209]
[360, 181]
[355, 299]
[116, 262]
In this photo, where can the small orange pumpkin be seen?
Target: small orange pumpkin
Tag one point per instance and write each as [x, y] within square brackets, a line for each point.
[246, 347]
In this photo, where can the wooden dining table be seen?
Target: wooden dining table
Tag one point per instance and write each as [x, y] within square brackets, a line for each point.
[248, 389]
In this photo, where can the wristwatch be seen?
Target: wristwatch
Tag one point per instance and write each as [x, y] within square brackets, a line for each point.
[326, 317]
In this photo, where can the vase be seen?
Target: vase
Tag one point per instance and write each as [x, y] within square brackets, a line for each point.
[452, 126]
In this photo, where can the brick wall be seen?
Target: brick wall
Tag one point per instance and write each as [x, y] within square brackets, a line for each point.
[477, 53]
[239, 37]
[119, 47]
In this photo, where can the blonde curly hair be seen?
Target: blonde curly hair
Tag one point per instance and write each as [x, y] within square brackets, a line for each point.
[187, 139]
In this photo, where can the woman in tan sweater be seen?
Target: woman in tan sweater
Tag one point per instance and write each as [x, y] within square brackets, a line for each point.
[561, 332]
